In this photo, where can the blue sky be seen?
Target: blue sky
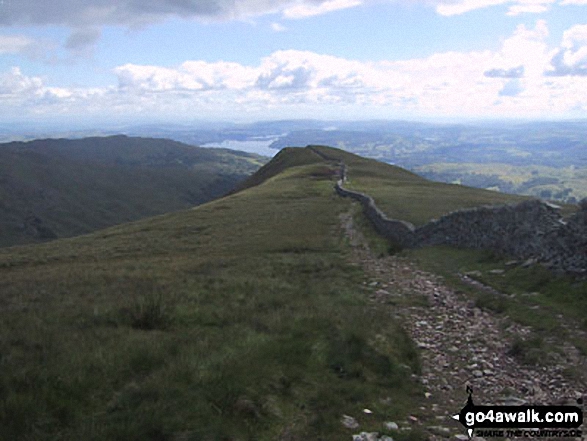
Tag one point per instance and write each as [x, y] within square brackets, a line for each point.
[97, 61]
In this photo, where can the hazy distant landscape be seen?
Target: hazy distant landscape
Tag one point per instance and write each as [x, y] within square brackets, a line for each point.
[545, 159]
[542, 159]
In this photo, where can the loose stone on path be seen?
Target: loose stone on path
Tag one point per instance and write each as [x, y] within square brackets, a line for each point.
[461, 345]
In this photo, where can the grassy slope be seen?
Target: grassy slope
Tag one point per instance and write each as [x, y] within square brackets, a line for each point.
[406, 196]
[236, 320]
[260, 330]
[61, 188]
[535, 297]
[286, 158]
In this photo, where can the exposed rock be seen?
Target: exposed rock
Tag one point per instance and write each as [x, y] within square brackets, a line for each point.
[366, 436]
[474, 273]
[390, 425]
[496, 271]
[513, 401]
[440, 431]
[349, 422]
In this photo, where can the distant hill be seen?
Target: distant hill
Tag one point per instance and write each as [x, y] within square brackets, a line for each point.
[60, 188]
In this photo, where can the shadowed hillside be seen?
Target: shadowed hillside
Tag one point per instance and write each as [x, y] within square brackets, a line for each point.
[59, 188]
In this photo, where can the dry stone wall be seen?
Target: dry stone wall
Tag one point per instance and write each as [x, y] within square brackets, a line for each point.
[529, 230]
[398, 231]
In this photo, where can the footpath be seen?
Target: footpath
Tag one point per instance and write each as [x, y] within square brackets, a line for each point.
[461, 345]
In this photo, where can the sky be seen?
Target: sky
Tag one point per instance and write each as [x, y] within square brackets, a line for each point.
[105, 61]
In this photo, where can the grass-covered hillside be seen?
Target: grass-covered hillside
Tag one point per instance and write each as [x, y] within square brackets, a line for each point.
[240, 319]
[404, 195]
[60, 188]
[541, 159]
[551, 304]
[236, 320]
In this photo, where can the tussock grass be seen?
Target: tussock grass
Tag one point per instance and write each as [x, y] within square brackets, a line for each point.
[236, 320]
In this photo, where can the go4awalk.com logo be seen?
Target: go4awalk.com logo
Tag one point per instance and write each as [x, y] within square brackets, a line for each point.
[520, 421]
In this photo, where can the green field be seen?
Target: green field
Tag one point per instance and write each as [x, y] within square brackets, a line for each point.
[557, 183]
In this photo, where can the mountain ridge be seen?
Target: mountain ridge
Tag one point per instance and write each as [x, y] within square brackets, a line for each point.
[60, 188]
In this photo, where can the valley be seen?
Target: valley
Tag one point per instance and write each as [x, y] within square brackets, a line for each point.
[57, 188]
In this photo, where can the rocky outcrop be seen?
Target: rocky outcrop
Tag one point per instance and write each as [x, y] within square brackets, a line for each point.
[529, 230]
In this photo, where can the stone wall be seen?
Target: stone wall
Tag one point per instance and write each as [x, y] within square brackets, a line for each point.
[529, 230]
[518, 230]
[398, 231]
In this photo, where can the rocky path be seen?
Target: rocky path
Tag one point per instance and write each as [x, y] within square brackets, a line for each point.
[462, 345]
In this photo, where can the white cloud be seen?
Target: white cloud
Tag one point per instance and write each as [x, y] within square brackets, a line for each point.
[530, 6]
[516, 7]
[14, 44]
[190, 76]
[32, 48]
[87, 17]
[23, 96]
[78, 14]
[474, 83]
[94, 13]
[278, 27]
[575, 37]
[462, 6]
[571, 58]
[307, 9]
[14, 84]
[521, 78]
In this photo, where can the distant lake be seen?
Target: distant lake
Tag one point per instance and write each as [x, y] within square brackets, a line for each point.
[260, 146]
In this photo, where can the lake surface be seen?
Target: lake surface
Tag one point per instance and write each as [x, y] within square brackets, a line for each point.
[260, 146]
